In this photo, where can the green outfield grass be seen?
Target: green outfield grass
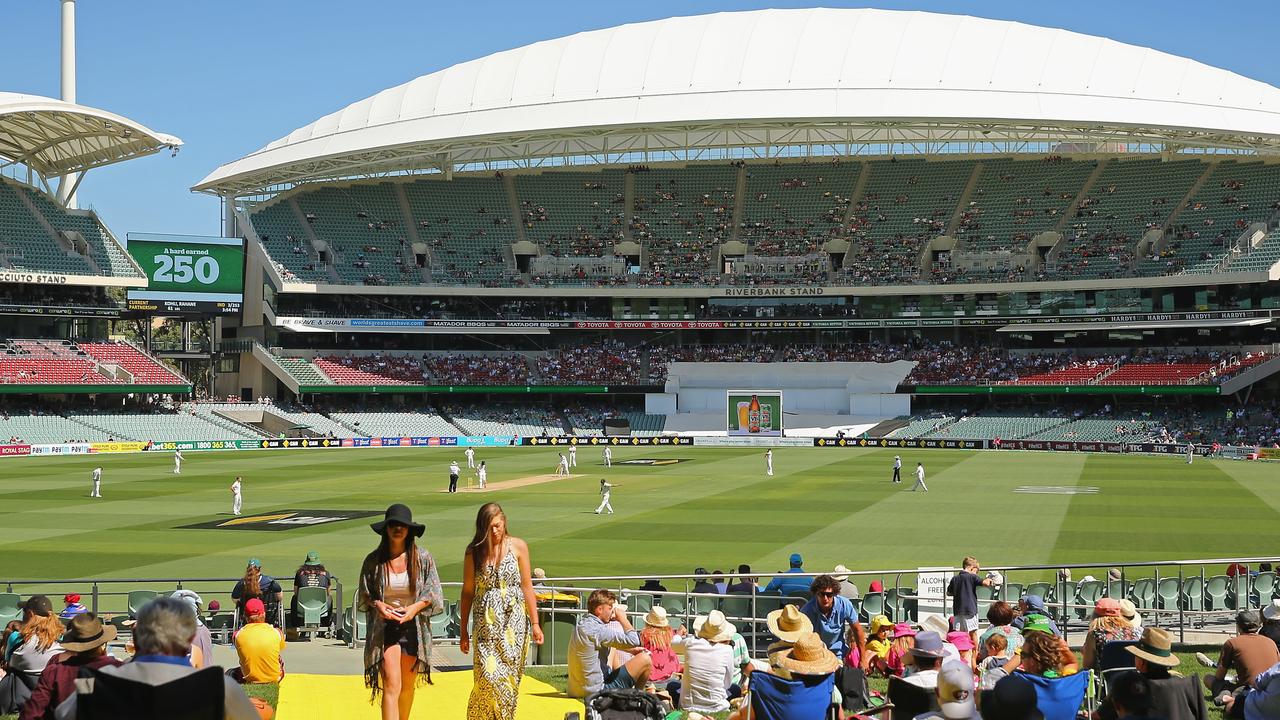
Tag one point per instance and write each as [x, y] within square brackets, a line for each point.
[714, 508]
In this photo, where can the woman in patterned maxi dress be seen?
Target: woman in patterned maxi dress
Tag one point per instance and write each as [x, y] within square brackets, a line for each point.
[499, 604]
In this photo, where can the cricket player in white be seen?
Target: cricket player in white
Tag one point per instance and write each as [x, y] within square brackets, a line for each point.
[482, 474]
[235, 496]
[608, 456]
[768, 462]
[177, 462]
[1191, 452]
[920, 479]
[897, 468]
[97, 483]
[573, 456]
[605, 489]
[562, 470]
[471, 458]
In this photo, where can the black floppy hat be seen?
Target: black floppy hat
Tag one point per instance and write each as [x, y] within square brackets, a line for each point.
[399, 513]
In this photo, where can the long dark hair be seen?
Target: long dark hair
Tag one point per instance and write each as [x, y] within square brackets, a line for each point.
[484, 518]
[383, 557]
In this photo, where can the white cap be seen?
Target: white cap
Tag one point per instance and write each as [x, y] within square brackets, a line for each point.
[955, 691]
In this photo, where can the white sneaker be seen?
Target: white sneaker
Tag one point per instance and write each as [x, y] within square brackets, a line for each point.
[1205, 661]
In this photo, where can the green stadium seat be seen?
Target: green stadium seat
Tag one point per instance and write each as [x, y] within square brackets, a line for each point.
[639, 602]
[703, 605]
[313, 603]
[10, 608]
[1087, 595]
[1264, 588]
[1116, 589]
[1215, 592]
[892, 604]
[1143, 593]
[1168, 593]
[1192, 594]
[138, 598]
[1038, 588]
[1239, 590]
[440, 623]
[1010, 592]
[872, 605]
[737, 608]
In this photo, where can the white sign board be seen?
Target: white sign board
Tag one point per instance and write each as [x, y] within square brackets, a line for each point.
[931, 586]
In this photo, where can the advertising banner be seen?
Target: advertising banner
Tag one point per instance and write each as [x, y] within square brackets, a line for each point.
[717, 441]
[61, 449]
[619, 441]
[754, 413]
[116, 447]
[14, 450]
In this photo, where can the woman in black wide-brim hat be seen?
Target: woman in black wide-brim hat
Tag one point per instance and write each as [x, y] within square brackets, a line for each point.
[399, 590]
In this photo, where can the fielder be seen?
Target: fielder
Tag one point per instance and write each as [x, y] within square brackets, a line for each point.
[97, 483]
[562, 469]
[605, 489]
[482, 474]
[235, 496]
[177, 462]
[608, 456]
[897, 468]
[1191, 452]
[471, 458]
[573, 456]
[920, 479]
[768, 462]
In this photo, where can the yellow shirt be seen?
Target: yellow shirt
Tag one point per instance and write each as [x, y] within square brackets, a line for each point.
[879, 647]
[258, 645]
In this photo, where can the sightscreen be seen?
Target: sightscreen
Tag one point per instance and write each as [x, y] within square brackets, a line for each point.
[188, 274]
[755, 412]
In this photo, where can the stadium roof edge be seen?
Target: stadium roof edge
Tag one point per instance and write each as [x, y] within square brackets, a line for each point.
[709, 83]
[56, 138]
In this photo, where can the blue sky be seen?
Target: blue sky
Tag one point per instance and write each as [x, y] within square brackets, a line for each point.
[230, 77]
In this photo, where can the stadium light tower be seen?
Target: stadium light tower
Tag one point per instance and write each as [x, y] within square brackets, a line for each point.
[66, 189]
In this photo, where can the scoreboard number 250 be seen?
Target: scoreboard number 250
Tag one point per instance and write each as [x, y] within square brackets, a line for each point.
[184, 269]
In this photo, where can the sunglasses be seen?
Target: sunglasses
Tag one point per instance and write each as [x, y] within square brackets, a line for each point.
[828, 593]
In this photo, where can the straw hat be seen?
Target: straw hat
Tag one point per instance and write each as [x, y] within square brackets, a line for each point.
[936, 623]
[714, 627]
[841, 573]
[788, 623]
[656, 617]
[1156, 647]
[809, 656]
[1129, 612]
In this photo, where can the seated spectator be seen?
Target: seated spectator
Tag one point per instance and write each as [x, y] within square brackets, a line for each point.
[746, 582]
[963, 643]
[787, 583]
[259, 646]
[1129, 612]
[787, 624]
[955, 693]
[702, 584]
[904, 640]
[202, 646]
[1043, 653]
[1107, 626]
[310, 574]
[807, 661]
[652, 585]
[1262, 701]
[1248, 654]
[539, 577]
[926, 656]
[1271, 622]
[1033, 605]
[603, 628]
[29, 650]
[992, 666]
[1130, 694]
[163, 635]
[73, 606]
[875, 658]
[656, 638]
[256, 584]
[847, 589]
[1013, 698]
[1000, 616]
[717, 579]
[829, 612]
[706, 685]
[1173, 697]
[85, 646]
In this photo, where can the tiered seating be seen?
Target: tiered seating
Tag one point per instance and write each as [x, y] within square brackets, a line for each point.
[575, 214]
[475, 370]
[1103, 430]
[110, 258]
[344, 371]
[1129, 198]
[303, 370]
[645, 424]
[363, 226]
[286, 241]
[317, 422]
[1079, 375]
[466, 222]
[681, 215]
[145, 369]
[1008, 427]
[904, 205]
[44, 430]
[1014, 200]
[25, 244]
[1234, 195]
[1261, 258]
[792, 209]
[48, 362]
[920, 427]
[505, 420]
[1156, 373]
[396, 424]
[163, 427]
[609, 363]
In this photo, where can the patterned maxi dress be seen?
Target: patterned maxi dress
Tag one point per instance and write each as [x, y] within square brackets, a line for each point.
[500, 640]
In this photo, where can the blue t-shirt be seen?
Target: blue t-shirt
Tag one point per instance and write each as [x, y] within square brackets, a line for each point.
[831, 627]
[788, 584]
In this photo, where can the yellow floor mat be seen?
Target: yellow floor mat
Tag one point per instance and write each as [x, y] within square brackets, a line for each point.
[322, 697]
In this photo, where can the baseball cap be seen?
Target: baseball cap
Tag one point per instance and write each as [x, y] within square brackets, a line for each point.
[955, 690]
[254, 607]
[255, 562]
[39, 605]
[796, 560]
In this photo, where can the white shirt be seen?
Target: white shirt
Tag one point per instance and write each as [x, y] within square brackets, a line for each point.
[605, 488]
[920, 472]
[97, 474]
[482, 472]
[708, 671]
[564, 460]
[927, 679]
[608, 452]
[470, 453]
[177, 456]
[235, 487]
[573, 449]
[897, 463]
[454, 469]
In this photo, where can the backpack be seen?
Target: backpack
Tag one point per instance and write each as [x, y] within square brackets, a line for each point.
[627, 704]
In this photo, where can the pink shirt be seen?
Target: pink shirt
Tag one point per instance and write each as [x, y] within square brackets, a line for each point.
[665, 662]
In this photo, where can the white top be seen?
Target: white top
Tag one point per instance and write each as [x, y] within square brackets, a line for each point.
[453, 468]
[767, 66]
[177, 454]
[605, 488]
[470, 452]
[482, 471]
[397, 589]
[708, 671]
[97, 473]
[897, 463]
[573, 449]
[608, 450]
[920, 472]
[235, 487]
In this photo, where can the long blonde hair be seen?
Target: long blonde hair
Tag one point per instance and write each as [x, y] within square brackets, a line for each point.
[46, 630]
[654, 637]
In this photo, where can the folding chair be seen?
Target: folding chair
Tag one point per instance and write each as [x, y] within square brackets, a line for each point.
[1060, 698]
[909, 700]
[804, 697]
[198, 696]
[1114, 660]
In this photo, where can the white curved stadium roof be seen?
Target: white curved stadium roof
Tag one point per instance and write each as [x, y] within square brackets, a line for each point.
[54, 137]
[769, 77]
